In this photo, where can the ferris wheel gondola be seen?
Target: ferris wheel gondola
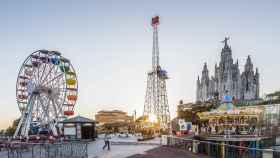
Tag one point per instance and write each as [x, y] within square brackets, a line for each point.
[46, 90]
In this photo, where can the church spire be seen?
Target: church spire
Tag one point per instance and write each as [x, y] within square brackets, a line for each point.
[249, 64]
[205, 73]
[257, 72]
[249, 60]
[226, 56]
[205, 67]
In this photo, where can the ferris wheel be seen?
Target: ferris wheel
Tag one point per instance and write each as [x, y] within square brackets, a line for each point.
[46, 91]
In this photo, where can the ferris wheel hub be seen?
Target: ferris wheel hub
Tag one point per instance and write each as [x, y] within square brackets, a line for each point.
[42, 89]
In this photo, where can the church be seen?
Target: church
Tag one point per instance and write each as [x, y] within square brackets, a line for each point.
[228, 79]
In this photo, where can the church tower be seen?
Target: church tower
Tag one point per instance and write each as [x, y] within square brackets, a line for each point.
[205, 82]
[250, 81]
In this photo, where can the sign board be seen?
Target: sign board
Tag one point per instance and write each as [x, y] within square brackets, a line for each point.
[188, 126]
[185, 126]
[182, 124]
[69, 131]
[181, 121]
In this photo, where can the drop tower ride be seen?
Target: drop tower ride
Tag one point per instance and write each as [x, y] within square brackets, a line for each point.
[156, 100]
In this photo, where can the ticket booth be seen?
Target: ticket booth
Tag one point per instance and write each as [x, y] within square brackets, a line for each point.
[78, 128]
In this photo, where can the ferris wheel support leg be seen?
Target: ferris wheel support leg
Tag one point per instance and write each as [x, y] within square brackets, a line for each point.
[25, 120]
[19, 125]
[25, 129]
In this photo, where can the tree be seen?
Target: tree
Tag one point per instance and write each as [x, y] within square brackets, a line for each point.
[2, 131]
[11, 129]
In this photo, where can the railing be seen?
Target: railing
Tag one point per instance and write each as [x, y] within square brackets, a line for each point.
[45, 150]
[223, 149]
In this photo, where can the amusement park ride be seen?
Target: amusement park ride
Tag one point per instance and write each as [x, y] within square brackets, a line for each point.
[46, 92]
[156, 102]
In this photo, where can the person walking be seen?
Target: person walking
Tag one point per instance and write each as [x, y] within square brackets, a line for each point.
[107, 141]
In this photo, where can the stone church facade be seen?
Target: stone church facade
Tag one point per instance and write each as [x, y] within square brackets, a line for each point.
[227, 79]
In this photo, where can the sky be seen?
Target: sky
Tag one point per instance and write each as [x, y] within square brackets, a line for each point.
[109, 42]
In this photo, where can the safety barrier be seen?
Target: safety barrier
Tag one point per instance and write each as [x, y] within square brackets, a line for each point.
[46, 150]
[221, 149]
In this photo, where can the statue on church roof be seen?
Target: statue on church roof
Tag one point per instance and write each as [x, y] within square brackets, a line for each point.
[225, 41]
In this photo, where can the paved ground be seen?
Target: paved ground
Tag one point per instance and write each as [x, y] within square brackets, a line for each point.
[129, 148]
[121, 147]
[118, 151]
[165, 152]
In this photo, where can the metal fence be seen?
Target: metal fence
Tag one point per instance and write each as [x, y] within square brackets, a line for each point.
[222, 149]
[45, 150]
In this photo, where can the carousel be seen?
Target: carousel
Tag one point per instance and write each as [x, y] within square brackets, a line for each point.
[228, 119]
[231, 125]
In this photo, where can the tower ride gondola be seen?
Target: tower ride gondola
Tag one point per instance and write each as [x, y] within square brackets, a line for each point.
[46, 92]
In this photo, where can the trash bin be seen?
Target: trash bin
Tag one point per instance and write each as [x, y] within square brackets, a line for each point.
[195, 146]
[163, 139]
